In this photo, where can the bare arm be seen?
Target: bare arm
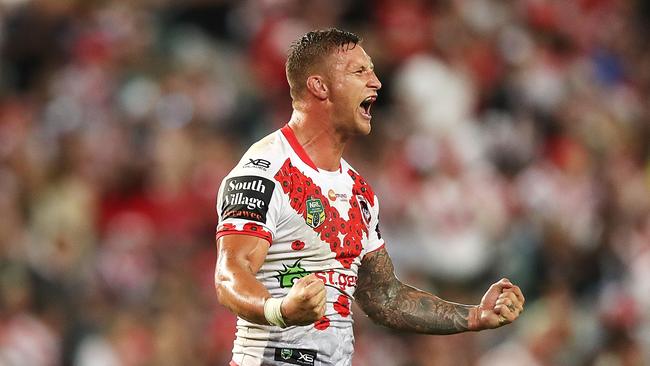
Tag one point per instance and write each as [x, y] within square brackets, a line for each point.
[238, 260]
[391, 303]
[240, 257]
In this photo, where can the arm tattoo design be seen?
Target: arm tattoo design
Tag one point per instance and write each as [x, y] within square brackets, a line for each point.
[391, 303]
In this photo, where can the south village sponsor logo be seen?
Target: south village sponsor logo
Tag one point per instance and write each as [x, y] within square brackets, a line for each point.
[247, 197]
[237, 196]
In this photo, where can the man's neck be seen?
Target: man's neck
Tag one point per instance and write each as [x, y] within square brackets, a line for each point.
[321, 141]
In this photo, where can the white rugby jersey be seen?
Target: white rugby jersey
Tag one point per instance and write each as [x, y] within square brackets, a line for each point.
[315, 221]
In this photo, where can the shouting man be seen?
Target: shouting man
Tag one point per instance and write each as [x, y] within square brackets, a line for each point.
[298, 236]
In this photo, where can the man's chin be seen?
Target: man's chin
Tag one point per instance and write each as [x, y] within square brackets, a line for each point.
[362, 128]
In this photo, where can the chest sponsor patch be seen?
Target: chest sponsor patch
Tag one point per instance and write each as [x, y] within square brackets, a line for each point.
[291, 274]
[246, 197]
[296, 356]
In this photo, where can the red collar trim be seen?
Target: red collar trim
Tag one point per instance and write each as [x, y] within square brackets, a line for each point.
[299, 150]
[295, 145]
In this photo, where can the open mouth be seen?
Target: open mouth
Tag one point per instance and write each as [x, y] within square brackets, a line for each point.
[366, 105]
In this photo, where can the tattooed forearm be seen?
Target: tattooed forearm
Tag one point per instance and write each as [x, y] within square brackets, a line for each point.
[391, 303]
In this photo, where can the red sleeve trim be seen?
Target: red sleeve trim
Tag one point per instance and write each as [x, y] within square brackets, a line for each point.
[263, 235]
[232, 363]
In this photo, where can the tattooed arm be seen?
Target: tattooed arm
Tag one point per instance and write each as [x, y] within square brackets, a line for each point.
[389, 302]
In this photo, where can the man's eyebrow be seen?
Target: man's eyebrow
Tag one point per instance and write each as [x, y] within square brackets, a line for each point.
[369, 66]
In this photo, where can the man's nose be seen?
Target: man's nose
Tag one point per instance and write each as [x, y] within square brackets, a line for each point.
[374, 82]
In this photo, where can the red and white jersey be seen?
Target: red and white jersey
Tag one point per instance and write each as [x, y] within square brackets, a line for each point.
[315, 221]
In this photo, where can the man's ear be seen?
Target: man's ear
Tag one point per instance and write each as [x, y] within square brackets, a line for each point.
[317, 87]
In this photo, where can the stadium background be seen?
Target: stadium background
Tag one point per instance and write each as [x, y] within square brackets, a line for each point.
[511, 138]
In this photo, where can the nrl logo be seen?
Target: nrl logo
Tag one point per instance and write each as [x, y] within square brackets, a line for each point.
[315, 212]
[291, 274]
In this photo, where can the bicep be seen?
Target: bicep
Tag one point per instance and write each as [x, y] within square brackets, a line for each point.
[239, 259]
[243, 252]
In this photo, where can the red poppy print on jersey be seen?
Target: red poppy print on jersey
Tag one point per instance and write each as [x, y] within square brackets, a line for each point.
[254, 228]
[251, 226]
[361, 187]
[297, 245]
[322, 323]
[300, 188]
[227, 226]
[342, 306]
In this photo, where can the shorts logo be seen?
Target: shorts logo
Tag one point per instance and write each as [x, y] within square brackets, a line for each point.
[286, 353]
[296, 356]
[291, 274]
[246, 197]
[315, 212]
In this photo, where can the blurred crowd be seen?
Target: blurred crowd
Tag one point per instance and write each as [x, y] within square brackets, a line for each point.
[511, 138]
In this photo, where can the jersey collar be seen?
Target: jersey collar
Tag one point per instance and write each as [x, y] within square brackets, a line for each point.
[298, 149]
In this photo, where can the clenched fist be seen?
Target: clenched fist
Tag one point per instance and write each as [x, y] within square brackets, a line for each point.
[501, 305]
[305, 302]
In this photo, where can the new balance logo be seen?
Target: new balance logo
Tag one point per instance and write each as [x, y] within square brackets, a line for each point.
[258, 163]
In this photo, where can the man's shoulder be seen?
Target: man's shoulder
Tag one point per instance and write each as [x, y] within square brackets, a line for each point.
[268, 144]
[263, 158]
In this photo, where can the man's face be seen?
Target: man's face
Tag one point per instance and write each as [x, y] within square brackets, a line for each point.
[353, 89]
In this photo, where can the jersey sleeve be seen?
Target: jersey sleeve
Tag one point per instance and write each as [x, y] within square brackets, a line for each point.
[248, 203]
[375, 240]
